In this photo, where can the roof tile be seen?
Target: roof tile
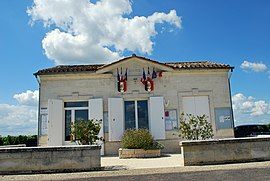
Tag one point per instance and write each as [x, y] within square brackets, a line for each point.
[95, 67]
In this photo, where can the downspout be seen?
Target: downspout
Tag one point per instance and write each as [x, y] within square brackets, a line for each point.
[229, 83]
[39, 124]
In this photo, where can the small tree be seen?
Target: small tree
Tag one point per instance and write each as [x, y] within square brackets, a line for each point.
[85, 131]
[195, 127]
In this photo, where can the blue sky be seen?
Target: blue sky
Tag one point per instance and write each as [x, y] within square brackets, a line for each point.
[227, 31]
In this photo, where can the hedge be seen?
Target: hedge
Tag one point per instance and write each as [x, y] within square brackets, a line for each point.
[30, 140]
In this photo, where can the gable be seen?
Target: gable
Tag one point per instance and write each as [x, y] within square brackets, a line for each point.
[134, 65]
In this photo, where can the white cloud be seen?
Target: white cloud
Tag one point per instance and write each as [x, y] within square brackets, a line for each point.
[254, 66]
[95, 32]
[20, 118]
[29, 98]
[249, 105]
[248, 110]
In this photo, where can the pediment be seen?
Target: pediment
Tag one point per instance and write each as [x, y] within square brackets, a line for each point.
[134, 65]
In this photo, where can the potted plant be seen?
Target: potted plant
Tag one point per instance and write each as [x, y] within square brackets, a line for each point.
[139, 144]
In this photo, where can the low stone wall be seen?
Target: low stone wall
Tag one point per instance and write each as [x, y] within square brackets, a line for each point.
[231, 150]
[8, 146]
[138, 153]
[49, 159]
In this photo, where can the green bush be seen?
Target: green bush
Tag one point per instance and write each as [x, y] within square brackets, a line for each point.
[21, 139]
[139, 139]
[195, 127]
[1, 141]
[86, 132]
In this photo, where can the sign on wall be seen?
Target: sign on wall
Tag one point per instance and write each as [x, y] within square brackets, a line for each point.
[171, 122]
[44, 121]
[223, 118]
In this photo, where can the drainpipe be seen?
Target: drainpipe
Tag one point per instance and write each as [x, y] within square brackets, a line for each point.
[38, 135]
[229, 83]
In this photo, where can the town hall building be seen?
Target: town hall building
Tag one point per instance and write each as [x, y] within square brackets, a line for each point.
[131, 93]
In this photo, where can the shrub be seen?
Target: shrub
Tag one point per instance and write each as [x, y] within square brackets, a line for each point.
[139, 139]
[195, 127]
[85, 131]
[1, 140]
[21, 139]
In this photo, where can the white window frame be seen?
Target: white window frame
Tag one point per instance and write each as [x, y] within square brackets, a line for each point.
[136, 112]
[73, 109]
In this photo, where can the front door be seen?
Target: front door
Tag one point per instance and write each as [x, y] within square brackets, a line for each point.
[136, 114]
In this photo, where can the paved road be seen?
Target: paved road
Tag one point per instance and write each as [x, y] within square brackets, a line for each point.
[230, 175]
[245, 171]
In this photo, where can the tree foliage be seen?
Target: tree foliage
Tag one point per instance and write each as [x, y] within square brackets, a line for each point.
[86, 132]
[30, 140]
[195, 127]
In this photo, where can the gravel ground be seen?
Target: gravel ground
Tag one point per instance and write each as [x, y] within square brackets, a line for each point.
[165, 168]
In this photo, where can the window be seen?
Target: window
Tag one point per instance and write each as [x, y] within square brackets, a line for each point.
[142, 107]
[76, 104]
[67, 124]
[74, 111]
[136, 114]
[130, 115]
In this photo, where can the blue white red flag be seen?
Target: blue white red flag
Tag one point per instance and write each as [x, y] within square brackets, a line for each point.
[126, 75]
[118, 76]
[154, 74]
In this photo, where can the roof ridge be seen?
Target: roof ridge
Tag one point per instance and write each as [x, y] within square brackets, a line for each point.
[193, 61]
[74, 65]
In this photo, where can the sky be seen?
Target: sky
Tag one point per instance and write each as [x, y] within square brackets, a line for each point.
[40, 34]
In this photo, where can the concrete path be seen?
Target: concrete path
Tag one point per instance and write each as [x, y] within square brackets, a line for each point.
[152, 169]
[170, 160]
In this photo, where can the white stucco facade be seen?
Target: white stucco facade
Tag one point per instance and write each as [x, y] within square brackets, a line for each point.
[172, 87]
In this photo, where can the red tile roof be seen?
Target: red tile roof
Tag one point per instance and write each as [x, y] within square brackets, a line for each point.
[95, 67]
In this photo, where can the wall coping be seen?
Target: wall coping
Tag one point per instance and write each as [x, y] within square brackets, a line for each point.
[224, 140]
[49, 148]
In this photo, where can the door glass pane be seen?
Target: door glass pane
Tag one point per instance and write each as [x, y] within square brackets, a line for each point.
[67, 124]
[142, 107]
[81, 115]
[130, 115]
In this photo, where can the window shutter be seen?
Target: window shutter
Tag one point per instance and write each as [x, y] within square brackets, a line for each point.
[196, 105]
[156, 114]
[202, 106]
[55, 122]
[96, 112]
[116, 118]
[189, 105]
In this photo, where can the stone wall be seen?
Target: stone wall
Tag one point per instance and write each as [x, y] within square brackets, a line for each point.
[138, 153]
[49, 159]
[225, 151]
